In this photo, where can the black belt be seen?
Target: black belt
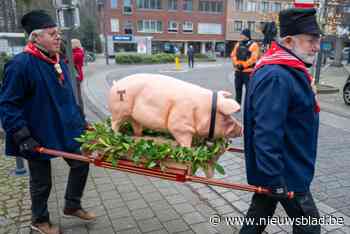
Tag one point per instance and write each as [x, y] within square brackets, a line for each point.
[213, 115]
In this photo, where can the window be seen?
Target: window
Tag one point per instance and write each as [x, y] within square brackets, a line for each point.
[238, 5]
[149, 26]
[251, 6]
[208, 28]
[127, 9]
[211, 6]
[149, 4]
[128, 27]
[251, 26]
[114, 25]
[172, 4]
[114, 3]
[265, 7]
[188, 5]
[172, 26]
[237, 26]
[276, 7]
[187, 26]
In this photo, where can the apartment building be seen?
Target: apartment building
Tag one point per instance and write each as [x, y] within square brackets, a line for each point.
[251, 14]
[149, 26]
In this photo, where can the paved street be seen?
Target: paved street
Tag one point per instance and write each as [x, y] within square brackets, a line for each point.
[128, 203]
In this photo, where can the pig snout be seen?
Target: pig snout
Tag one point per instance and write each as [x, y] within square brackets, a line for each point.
[234, 128]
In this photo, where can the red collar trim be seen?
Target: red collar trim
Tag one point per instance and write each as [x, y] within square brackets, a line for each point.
[278, 55]
[33, 50]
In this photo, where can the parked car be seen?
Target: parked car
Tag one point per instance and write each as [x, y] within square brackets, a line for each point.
[346, 92]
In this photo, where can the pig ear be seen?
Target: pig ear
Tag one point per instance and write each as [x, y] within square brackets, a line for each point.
[226, 94]
[227, 106]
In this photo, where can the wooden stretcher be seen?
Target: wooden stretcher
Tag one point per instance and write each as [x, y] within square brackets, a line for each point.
[172, 174]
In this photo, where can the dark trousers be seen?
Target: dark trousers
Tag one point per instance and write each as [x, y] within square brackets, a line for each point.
[40, 186]
[190, 61]
[263, 206]
[241, 78]
[80, 96]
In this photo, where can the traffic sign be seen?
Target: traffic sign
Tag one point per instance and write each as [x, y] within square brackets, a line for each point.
[304, 3]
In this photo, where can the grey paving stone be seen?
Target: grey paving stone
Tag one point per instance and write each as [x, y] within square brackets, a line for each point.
[226, 209]
[159, 205]
[167, 215]
[195, 217]
[149, 225]
[184, 208]
[110, 195]
[111, 204]
[337, 231]
[230, 196]
[241, 205]
[119, 213]
[203, 228]
[205, 210]
[147, 189]
[124, 223]
[177, 225]
[186, 232]
[141, 214]
[129, 196]
[105, 188]
[168, 191]
[126, 188]
[129, 231]
[136, 204]
[100, 223]
[150, 197]
[108, 230]
[175, 199]
[162, 231]
[76, 230]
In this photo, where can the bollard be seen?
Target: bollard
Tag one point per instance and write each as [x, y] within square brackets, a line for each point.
[177, 63]
[20, 168]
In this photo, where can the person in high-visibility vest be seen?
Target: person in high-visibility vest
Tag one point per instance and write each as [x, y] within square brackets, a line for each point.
[244, 56]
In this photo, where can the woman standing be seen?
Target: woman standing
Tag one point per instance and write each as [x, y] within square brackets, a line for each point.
[78, 60]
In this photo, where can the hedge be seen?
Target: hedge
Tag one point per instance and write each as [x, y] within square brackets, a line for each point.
[135, 58]
[3, 60]
[132, 58]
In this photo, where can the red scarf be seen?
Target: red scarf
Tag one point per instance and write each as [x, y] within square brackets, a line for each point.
[277, 55]
[33, 50]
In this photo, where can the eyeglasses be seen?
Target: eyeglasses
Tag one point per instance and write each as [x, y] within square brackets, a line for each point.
[55, 33]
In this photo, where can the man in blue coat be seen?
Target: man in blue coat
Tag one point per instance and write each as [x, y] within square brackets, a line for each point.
[281, 121]
[38, 108]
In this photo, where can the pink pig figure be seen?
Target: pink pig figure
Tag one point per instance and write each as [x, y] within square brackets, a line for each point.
[164, 103]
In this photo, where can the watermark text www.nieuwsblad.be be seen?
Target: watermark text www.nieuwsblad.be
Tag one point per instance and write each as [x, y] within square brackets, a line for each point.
[233, 221]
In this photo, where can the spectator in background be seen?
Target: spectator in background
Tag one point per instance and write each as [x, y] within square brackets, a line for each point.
[38, 108]
[78, 60]
[244, 56]
[190, 54]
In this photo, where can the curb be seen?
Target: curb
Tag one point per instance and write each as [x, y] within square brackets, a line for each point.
[326, 89]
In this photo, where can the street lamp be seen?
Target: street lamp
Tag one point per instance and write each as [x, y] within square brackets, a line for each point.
[102, 7]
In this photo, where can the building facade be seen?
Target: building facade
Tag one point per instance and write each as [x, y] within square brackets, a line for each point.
[251, 14]
[148, 26]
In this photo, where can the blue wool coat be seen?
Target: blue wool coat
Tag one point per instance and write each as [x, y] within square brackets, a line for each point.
[32, 97]
[280, 129]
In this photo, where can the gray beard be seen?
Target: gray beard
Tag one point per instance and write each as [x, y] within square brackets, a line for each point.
[308, 59]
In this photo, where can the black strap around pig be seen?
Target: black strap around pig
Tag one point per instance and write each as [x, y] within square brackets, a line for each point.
[213, 115]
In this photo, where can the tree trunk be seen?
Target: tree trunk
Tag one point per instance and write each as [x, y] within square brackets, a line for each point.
[338, 52]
